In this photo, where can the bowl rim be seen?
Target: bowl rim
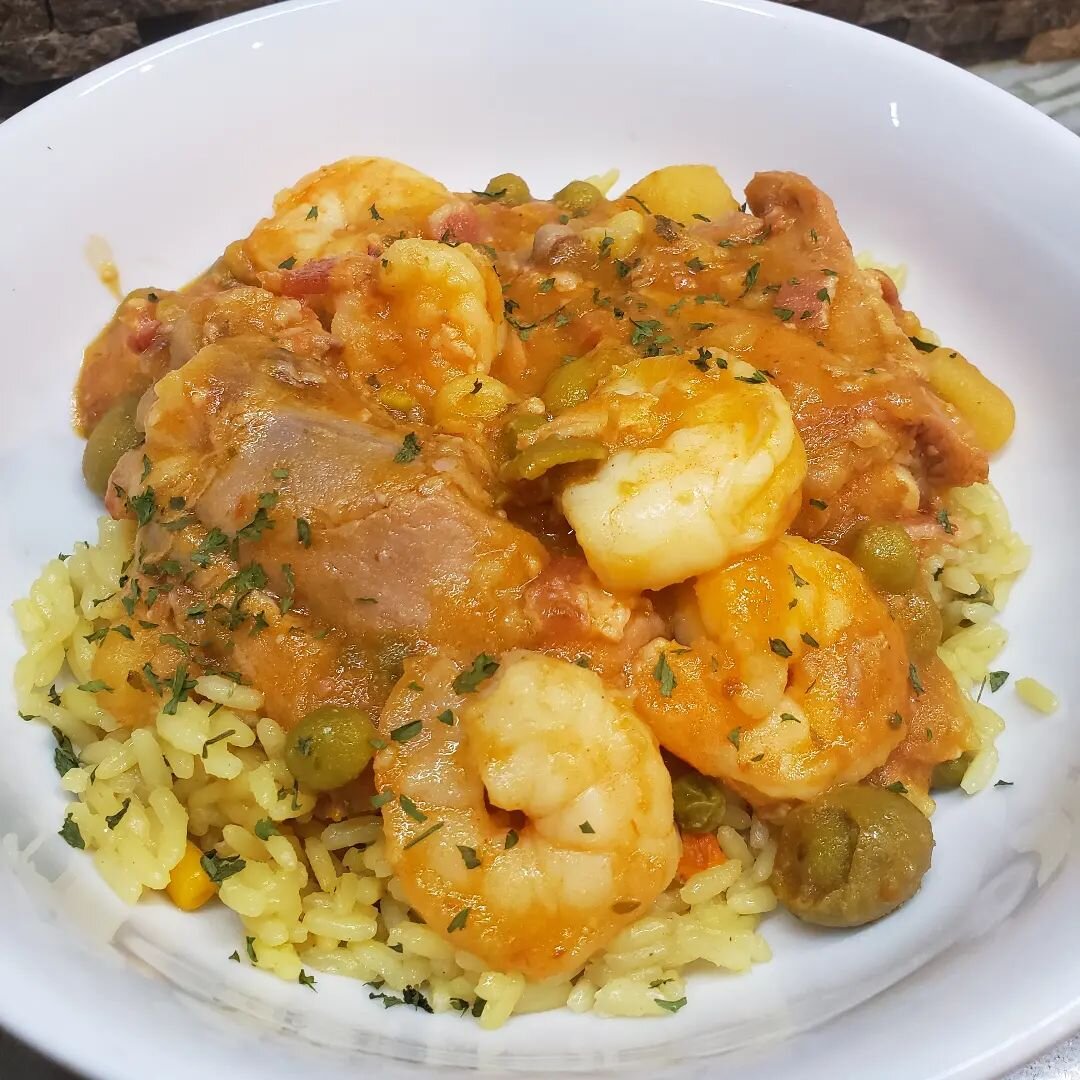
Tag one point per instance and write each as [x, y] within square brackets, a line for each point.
[26, 1017]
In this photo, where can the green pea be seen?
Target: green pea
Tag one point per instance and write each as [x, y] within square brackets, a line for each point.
[113, 436]
[577, 198]
[330, 747]
[537, 459]
[888, 556]
[509, 188]
[948, 774]
[700, 803]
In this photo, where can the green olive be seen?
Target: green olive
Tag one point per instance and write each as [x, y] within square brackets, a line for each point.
[920, 620]
[330, 747]
[888, 556]
[851, 855]
[509, 188]
[700, 803]
[572, 383]
[519, 425]
[113, 436]
[577, 198]
[537, 459]
[948, 774]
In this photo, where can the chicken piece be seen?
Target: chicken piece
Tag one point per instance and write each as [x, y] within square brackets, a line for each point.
[857, 385]
[377, 532]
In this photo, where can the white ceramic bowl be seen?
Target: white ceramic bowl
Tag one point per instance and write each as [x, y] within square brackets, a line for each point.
[174, 151]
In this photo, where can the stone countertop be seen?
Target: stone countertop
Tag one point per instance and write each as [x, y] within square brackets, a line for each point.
[1051, 88]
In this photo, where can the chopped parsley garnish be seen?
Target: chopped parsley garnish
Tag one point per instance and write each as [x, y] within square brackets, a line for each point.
[287, 264]
[95, 686]
[410, 448]
[511, 840]
[483, 667]
[407, 731]
[585, 827]
[446, 717]
[411, 809]
[808, 640]
[644, 331]
[789, 718]
[143, 506]
[265, 828]
[605, 245]
[153, 679]
[179, 686]
[112, 820]
[216, 739]
[71, 834]
[375, 215]
[220, 867]
[286, 602]
[634, 198]
[819, 504]
[944, 522]
[622, 268]
[758, 377]
[897, 787]
[896, 721]
[307, 980]
[381, 799]
[784, 314]
[997, 680]
[234, 955]
[666, 228]
[695, 264]
[922, 346]
[1003, 783]
[214, 542]
[583, 661]
[546, 285]
[671, 1006]
[751, 277]
[699, 327]
[779, 646]
[913, 678]
[823, 295]
[663, 674]
[799, 581]
[468, 856]
[64, 757]
[459, 920]
[424, 835]
[147, 465]
[176, 643]
[734, 735]
[312, 214]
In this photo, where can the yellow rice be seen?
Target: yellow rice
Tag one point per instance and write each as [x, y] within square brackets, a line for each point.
[321, 897]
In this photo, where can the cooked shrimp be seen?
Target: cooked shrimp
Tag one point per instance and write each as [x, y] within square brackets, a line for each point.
[530, 820]
[431, 314]
[333, 210]
[705, 465]
[801, 680]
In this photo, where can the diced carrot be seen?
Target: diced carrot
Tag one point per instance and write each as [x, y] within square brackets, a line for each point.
[699, 852]
[189, 885]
